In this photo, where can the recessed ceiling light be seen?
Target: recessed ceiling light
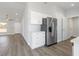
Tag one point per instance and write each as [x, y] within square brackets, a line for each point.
[72, 5]
[16, 13]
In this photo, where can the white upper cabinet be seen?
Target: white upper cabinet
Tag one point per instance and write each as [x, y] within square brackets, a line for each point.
[36, 18]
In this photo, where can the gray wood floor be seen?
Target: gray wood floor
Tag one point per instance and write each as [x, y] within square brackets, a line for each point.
[14, 45]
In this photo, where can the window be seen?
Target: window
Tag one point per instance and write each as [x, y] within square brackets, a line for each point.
[3, 27]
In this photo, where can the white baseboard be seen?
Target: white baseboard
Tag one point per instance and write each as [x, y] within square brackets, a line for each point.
[8, 33]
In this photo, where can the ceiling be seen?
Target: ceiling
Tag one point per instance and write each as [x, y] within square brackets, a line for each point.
[65, 5]
[12, 9]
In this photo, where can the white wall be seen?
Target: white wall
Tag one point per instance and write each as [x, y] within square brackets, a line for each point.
[67, 28]
[72, 12]
[70, 27]
[61, 24]
[25, 25]
[17, 27]
[76, 26]
[10, 27]
[68, 23]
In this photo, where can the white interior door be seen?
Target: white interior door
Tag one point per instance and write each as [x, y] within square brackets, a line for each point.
[76, 26]
[65, 29]
[70, 27]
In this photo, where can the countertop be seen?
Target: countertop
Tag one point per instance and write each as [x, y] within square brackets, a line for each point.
[75, 40]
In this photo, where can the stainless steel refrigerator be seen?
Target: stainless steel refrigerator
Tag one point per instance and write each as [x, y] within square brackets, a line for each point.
[49, 25]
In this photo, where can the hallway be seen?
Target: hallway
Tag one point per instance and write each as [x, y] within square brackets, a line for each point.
[14, 45]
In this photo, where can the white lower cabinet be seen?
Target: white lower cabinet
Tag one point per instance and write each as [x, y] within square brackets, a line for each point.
[38, 39]
[75, 47]
[76, 50]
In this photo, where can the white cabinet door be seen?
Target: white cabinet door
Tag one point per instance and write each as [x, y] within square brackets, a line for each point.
[36, 18]
[38, 39]
[76, 50]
